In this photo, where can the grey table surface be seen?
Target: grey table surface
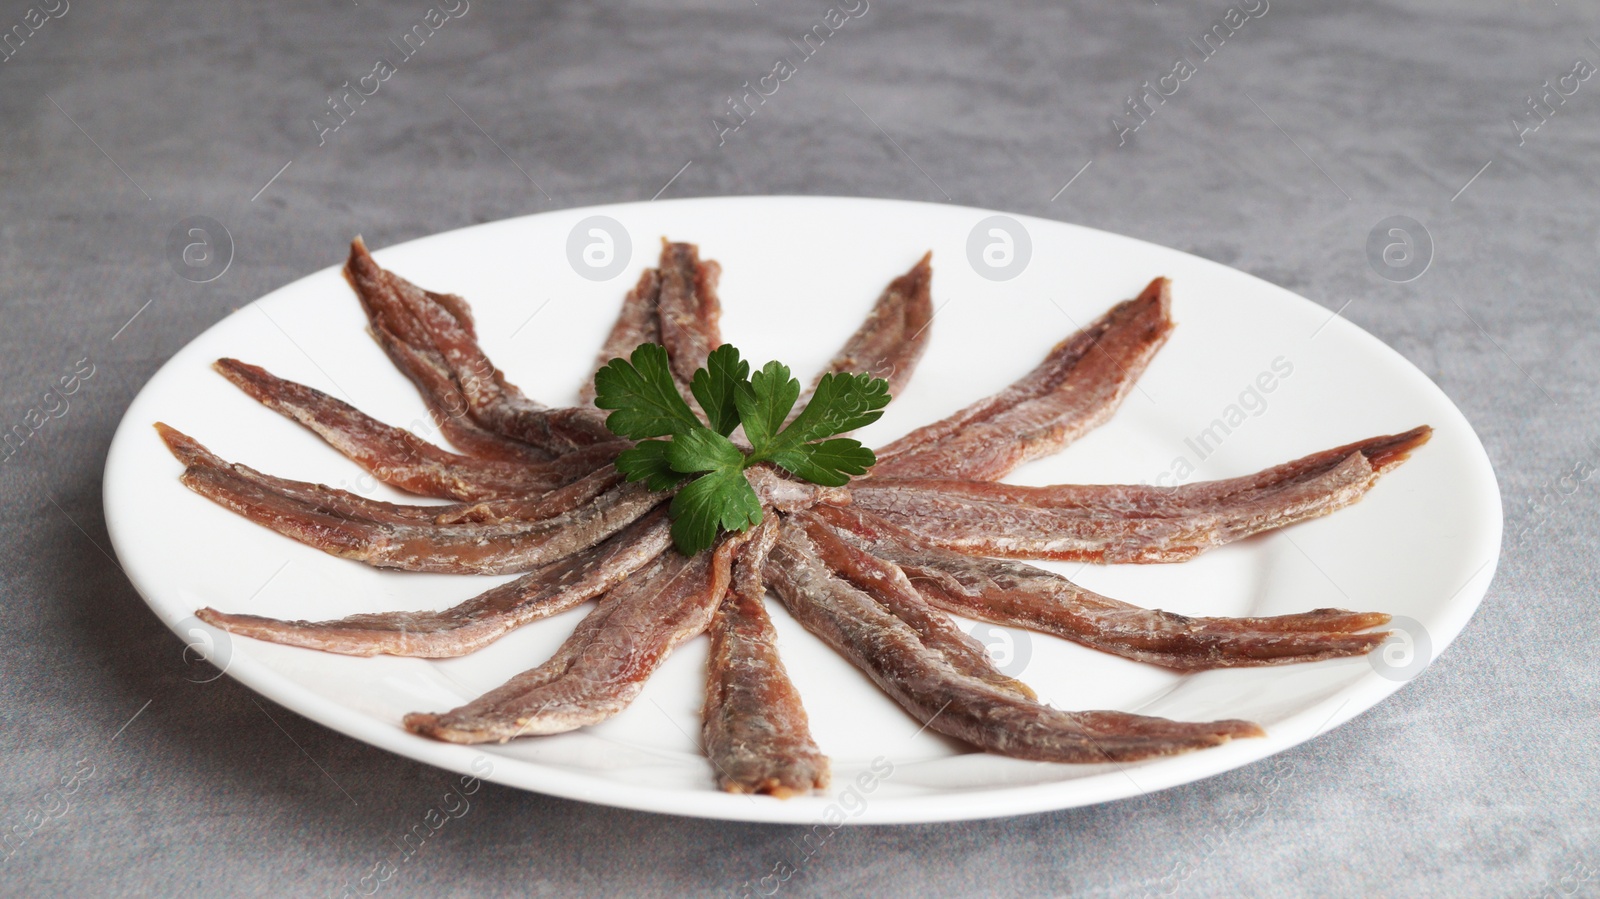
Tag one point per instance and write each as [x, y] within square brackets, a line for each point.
[1279, 154]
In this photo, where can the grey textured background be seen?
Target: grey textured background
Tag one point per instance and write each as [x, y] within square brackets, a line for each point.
[1478, 778]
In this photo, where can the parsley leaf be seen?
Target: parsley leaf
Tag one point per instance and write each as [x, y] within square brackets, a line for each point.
[716, 385]
[841, 403]
[648, 462]
[703, 450]
[764, 402]
[829, 462]
[707, 468]
[644, 396]
[723, 499]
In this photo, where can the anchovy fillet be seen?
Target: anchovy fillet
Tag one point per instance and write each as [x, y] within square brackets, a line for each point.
[885, 582]
[638, 323]
[688, 309]
[892, 338]
[1131, 523]
[393, 455]
[602, 667]
[958, 705]
[479, 621]
[1019, 595]
[421, 321]
[755, 730]
[1075, 389]
[509, 547]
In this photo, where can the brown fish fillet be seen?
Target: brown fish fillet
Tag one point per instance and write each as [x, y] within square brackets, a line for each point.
[638, 323]
[417, 318]
[1026, 532]
[755, 730]
[388, 300]
[479, 621]
[420, 320]
[781, 491]
[331, 500]
[892, 338]
[1148, 501]
[393, 455]
[955, 704]
[344, 504]
[1020, 595]
[688, 309]
[602, 667]
[535, 506]
[446, 405]
[1077, 387]
[1127, 523]
[497, 548]
[886, 583]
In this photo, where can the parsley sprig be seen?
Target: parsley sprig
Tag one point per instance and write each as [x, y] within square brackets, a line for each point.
[675, 446]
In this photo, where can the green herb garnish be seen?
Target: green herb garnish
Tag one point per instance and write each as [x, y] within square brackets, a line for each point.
[676, 446]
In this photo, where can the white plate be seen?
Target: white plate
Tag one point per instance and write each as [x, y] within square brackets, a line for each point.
[799, 274]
